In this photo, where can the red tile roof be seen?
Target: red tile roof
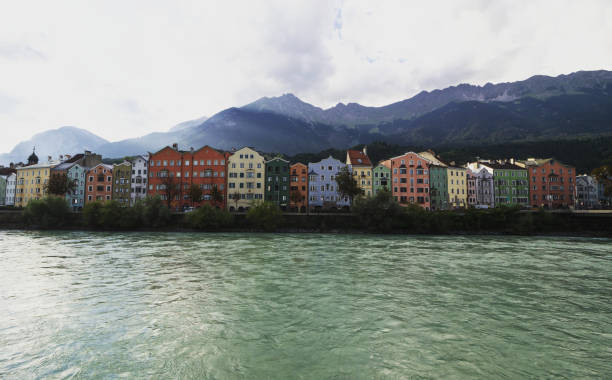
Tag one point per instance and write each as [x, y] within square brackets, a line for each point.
[358, 158]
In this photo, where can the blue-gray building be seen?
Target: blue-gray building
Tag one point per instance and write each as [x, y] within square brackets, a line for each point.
[323, 189]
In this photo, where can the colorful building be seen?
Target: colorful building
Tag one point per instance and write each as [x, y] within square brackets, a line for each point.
[484, 196]
[551, 183]
[382, 177]
[167, 176]
[361, 167]
[323, 188]
[510, 183]
[122, 183]
[3, 181]
[246, 171]
[75, 173]
[457, 187]
[138, 188]
[410, 179]
[209, 171]
[99, 183]
[438, 187]
[298, 190]
[31, 181]
[277, 182]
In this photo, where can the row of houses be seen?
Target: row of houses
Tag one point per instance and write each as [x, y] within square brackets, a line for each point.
[235, 180]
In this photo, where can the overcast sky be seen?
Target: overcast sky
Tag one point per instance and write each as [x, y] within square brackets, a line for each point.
[125, 68]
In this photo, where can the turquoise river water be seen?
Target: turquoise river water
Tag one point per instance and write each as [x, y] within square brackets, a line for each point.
[291, 306]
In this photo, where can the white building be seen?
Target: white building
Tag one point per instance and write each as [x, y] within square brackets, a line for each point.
[11, 184]
[483, 185]
[587, 195]
[139, 178]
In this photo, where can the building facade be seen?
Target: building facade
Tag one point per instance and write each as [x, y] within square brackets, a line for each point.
[277, 182]
[410, 180]
[438, 187]
[245, 182]
[361, 166]
[551, 183]
[11, 184]
[457, 187]
[3, 181]
[122, 183]
[166, 176]
[484, 188]
[587, 194]
[381, 177]
[31, 181]
[323, 188]
[99, 183]
[510, 183]
[76, 198]
[138, 188]
[209, 172]
[298, 187]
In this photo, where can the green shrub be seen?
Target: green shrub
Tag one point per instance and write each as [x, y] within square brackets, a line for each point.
[49, 212]
[380, 213]
[155, 213]
[209, 218]
[92, 213]
[265, 216]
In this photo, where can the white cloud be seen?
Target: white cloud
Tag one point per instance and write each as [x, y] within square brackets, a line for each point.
[125, 68]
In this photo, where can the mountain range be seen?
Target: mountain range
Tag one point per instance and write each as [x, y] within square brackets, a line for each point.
[541, 107]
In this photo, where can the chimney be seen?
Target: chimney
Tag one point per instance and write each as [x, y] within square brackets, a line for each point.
[12, 165]
[512, 161]
[452, 163]
[87, 152]
[61, 157]
[67, 157]
[49, 158]
[175, 146]
[191, 149]
[365, 150]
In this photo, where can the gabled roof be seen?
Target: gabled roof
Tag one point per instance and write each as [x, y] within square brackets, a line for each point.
[64, 166]
[431, 157]
[505, 166]
[358, 158]
[105, 166]
[277, 159]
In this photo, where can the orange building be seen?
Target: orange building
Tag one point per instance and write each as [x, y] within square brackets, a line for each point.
[298, 185]
[410, 179]
[551, 183]
[99, 183]
[205, 168]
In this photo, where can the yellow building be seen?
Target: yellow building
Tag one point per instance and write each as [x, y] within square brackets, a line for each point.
[457, 186]
[31, 181]
[362, 169]
[245, 179]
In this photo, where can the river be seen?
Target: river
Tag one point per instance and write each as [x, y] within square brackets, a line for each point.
[312, 306]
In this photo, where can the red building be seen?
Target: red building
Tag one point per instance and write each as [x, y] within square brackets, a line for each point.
[298, 185]
[551, 183]
[178, 170]
[99, 183]
[410, 179]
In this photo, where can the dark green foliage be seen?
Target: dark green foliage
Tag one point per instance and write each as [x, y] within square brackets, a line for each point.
[110, 215]
[380, 213]
[265, 216]
[195, 193]
[347, 186]
[59, 184]
[603, 175]
[216, 196]
[49, 212]
[209, 218]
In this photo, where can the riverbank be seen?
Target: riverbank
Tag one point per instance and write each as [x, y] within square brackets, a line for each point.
[468, 222]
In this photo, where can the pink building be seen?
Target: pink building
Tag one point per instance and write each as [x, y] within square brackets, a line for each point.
[410, 179]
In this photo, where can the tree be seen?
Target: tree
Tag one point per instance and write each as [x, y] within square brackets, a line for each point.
[236, 198]
[265, 216]
[347, 186]
[59, 184]
[216, 196]
[295, 198]
[171, 187]
[195, 194]
[603, 174]
[49, 212]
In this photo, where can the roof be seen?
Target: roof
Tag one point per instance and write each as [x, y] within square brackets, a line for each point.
[506, 166]
[358, 158]
[40, 166]
[106, 166]
[431, 157]
[75, 158]
[277, 159]
[7, 171]
[64, 166]
[385, 163]
[540, 161]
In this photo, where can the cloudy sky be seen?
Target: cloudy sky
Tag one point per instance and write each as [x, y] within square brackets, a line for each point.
[125, 68]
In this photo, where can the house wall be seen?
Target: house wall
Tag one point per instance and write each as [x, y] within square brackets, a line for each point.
[410, 180]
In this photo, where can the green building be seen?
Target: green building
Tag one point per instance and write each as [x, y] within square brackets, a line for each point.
[510, 184]
[438, 187]
[122, 183]
[382, 177]
[3, 180]
[277, 182]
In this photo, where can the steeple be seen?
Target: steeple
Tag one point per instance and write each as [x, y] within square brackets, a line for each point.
[33, 159]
